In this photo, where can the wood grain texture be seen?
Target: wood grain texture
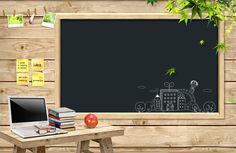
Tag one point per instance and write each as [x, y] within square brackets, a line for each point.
[140, 150]
[8, 70]
[154, 150]
[34, 30]
[36, 22]
[230, 70]
[230, 92]
[26, 33]
[27, 48]
[138, 139]
[106, 6]
[172, 136]
[83, 134]
[230, 40]
[11, 89]
[175, 136]
[230, 119]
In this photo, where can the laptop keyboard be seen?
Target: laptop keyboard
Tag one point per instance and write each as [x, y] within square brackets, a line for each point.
[29, 132]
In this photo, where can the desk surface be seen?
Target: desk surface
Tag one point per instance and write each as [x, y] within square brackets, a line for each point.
[81, 134]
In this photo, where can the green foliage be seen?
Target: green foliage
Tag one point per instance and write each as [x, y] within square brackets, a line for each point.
[17, 19]
[221, 47]
[201, 42]
[231, 100]
[152, 2]
[184, 17]
[213, 10]
[170, 6]
[171, 71]
[49, 17]
[209, 9]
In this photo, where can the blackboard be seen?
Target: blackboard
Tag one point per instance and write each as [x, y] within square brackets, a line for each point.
[120, 65]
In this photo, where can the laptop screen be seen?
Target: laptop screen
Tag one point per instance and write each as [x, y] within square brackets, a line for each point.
[28, 109]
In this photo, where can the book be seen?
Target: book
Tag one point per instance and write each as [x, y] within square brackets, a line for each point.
[61, 123]
[62, 112]
[61, 118]
[62, 126]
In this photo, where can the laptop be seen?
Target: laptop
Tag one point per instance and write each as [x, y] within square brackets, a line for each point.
[26, 114]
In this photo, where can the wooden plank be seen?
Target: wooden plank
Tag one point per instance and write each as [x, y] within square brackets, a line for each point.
[230, 70]
[172, 136]
[154, 150]
[18, 150]
[230, 92]
[74, 136]
[230, 119]
[105, 6]
[27, 48]
[230, 40]
[36, 22]
[26, 32]
[177, 136]
[8, 70]
[140, 150]
[11, 89]
[34, 30]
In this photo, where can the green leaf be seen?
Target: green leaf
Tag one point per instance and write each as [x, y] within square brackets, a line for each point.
[170, 6]
[184, 17]
[152, 2]
[171, 71]
[202, 42]
[199, 12]
[221, 47]
[194, 11]
[189, 5]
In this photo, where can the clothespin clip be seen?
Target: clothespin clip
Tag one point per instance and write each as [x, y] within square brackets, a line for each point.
[14, 13]
[45, 9]
[28, 12]
[31, 19]
[35, 11]
[3, 13]
[68, 2]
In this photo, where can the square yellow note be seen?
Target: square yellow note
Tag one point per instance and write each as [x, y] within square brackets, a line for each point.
[22, 65]
[38, 79]
[37, 64]
[22, 79]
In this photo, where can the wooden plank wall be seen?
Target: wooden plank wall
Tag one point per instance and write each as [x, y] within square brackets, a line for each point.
[34, 41]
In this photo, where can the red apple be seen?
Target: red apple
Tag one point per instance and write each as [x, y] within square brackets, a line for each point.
[91, 120]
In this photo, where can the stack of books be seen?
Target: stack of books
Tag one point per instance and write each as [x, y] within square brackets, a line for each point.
[63, 118]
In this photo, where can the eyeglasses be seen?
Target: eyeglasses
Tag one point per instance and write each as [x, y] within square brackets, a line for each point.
[45, 130]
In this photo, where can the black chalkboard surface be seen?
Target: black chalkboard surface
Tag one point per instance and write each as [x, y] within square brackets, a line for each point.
[120, 65]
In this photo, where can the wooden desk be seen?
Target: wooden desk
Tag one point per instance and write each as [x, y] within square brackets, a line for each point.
[82, 137]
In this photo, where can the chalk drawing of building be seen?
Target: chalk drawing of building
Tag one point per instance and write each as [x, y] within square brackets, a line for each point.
[169, 98]
[182, 102]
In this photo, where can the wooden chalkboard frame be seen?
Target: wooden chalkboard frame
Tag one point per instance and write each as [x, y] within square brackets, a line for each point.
[164, 115]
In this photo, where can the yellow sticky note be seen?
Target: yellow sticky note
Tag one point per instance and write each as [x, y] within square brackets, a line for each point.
[38, 79]
[37, 64]
[22, 65]
[22, 79]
